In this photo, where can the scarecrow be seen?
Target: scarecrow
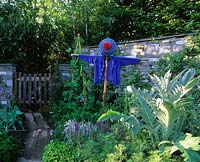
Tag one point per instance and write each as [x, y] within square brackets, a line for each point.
[107, 67]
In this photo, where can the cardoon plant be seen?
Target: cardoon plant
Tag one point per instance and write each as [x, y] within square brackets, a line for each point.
[162, 113]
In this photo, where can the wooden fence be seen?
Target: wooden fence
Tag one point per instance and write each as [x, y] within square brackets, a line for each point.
[32, 89]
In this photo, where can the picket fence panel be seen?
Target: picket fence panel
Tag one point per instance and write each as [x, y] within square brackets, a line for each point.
[32, 88]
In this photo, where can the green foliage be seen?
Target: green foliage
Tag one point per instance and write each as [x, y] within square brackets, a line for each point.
[77, 99]
[129, 120]
[80, 98]
[131, 76]
[195, 44]
[9, 117]
[118, 99]
[118, 145]
[176, 62]
[187, 145]
[96, 150]
[59, 134]
[192, 122]
[137, 157]
[163, 108]
[144, 18]
[8, 148]
[162, 111]
[57, 85]
[173, 62]
[28, 26]
[169, 104]
[78, 41]
[187, 58]
[58, 152]
[118, 155]
[169, 100]
[156, 156]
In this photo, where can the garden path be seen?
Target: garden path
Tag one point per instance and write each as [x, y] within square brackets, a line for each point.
[37, 138]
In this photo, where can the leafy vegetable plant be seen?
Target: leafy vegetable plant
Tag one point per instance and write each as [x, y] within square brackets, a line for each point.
[162, 110]
[9, 117]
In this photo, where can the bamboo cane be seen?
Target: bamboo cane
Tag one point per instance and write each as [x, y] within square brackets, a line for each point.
[105, 83]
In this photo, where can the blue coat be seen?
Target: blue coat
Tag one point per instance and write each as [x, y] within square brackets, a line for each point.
[114, 65]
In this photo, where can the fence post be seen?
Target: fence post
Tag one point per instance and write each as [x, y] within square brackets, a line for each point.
[24, 82]
[40, 89]
[29, 89]
[64, 70]
[6, 83]
[45, 88]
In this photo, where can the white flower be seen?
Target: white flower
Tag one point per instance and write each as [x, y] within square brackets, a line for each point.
[129, 89]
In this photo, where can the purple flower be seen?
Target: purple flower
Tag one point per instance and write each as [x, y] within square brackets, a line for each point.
[51, 132]
[76, 127]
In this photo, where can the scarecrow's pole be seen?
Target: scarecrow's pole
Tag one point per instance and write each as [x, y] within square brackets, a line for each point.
[105, 83]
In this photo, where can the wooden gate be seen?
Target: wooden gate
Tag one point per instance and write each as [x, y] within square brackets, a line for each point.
[32, 89]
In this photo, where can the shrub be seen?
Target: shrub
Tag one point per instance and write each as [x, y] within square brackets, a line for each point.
[8, 148]
[117, 145]
[156, 156]
[58, 152]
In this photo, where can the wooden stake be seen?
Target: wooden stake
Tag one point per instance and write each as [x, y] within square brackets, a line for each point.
[105, 83]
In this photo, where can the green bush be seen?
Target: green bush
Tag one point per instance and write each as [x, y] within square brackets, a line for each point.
[118, 145]
[121, 145]
[58, 152]
[8, 148]
[156, 156]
